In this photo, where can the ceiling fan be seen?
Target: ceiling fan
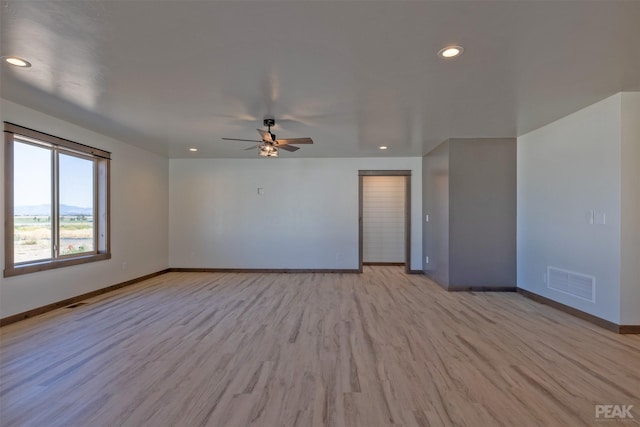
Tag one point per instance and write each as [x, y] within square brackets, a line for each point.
[269, 145]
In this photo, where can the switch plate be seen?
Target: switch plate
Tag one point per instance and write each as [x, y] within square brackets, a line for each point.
[595, 217]
[260, 191]
[426, 218]
[426, 260]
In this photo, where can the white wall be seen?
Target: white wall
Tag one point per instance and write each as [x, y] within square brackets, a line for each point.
[139, 220]
[307, 217]
[566, 169]
[630, 273]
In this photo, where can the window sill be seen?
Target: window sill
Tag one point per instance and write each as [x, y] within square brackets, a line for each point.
[50, 265]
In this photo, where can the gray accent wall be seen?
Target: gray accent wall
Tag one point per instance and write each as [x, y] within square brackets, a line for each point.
[483, 212]
[435, 202]
[469, 193]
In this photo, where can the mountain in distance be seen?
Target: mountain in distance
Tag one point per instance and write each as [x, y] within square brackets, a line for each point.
[45, 210]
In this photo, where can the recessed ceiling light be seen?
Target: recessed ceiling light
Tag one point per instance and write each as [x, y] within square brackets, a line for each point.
[18, 62]
[383, 147]
[193, 149]
[450, 52]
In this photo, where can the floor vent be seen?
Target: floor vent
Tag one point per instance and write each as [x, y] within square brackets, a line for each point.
[575, 284]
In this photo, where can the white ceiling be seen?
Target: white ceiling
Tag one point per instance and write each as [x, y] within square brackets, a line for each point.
[353, 75]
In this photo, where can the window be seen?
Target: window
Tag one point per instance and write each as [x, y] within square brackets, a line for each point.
[56, 202]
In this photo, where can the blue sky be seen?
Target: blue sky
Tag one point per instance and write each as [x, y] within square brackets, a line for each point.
[32, 178]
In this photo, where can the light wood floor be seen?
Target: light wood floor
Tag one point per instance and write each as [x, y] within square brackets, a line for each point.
[378, 349]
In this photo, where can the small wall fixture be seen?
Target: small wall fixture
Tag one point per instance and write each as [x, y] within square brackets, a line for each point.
[193, 149]
[450, 52]
[17, 62]
[383, 147]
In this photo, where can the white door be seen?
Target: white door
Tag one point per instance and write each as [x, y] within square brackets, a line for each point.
[383, 219]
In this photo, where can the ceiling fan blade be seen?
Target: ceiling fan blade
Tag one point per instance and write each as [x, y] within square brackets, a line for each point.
[288, 147]
[266, 136]
[253, 147]
[280, 142]
[236, 139]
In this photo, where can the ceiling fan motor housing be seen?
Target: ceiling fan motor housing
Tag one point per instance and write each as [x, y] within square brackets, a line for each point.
[269, 122]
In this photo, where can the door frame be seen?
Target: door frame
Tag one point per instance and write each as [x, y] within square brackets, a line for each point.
[407, 212]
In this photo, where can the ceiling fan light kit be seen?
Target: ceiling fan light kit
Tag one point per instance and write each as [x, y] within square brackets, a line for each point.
[269, 145]
[268, 151]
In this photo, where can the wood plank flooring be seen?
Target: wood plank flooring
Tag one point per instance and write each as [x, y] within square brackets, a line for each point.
[378, 349]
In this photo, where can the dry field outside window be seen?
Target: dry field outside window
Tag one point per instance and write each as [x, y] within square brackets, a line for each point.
[33, 236]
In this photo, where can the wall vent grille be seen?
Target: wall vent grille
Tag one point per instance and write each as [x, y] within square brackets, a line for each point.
[569, 282]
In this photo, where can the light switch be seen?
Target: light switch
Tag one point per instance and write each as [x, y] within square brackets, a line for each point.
[426, 218]
[260, 191]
